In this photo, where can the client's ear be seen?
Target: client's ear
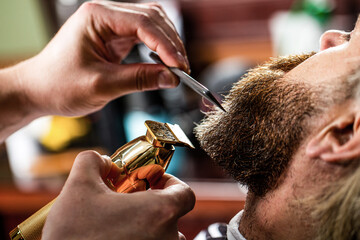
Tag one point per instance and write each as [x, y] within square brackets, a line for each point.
[339, 141]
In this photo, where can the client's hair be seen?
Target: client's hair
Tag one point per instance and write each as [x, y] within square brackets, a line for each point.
[337, 208]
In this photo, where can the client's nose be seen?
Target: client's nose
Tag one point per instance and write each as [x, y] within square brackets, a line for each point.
[332, 38]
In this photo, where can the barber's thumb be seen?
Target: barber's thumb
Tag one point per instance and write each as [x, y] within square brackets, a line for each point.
[90, 165]
[144, 77]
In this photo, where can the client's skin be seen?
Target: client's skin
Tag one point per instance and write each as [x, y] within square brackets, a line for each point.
[78, 73]
[295, 142]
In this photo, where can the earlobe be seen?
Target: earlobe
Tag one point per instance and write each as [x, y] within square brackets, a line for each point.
[339, 141]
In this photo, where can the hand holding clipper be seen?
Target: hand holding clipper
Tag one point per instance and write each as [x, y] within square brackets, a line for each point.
[131, 163]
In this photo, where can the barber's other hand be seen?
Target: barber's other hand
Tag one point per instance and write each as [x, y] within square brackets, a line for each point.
[79, 71]
[88, 209]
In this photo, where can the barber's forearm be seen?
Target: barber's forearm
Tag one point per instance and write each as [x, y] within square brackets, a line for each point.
[17, 109]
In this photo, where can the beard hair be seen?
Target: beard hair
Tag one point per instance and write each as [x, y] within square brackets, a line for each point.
[264, 124]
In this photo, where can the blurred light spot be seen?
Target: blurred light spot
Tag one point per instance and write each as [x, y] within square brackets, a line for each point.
[68, 2]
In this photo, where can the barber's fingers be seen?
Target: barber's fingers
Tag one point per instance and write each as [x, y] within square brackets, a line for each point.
[168, 200]
[173, 198]
[89, 170]
[158, 15]
[118, 80]
[176, 193]
[168, 24]
[110, 20]
[139, 179]
[152, 174]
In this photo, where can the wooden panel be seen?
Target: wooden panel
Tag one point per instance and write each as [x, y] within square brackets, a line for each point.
[216, 30]
[256, 51]
[219, 29]
[206, 19]
[15, 202]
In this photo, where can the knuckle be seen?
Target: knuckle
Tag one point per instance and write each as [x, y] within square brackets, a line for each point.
[98, 85]
[144, 19]
[173, 206]
[168, 211]
[191, 198]
[156, 5]
[155, 11]
[87, 7]
[140, 78]
[79, 183]
[165, 210]
[184, 204]
[166, 214]
[88, 10]
[83, 159]
[87, 155]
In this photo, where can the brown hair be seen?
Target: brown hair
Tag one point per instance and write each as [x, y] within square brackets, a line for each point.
[336, 210]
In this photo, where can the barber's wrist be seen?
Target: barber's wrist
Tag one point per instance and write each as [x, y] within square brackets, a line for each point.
[27, 78]
[17, 108]
[29, 87]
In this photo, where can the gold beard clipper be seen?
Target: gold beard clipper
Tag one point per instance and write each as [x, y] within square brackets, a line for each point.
[156, 147]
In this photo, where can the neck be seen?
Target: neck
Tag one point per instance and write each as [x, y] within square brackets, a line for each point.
[274, 217]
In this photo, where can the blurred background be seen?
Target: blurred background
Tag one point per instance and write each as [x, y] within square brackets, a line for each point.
[223, 40]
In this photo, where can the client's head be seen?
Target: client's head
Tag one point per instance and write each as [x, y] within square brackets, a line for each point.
[292, 126]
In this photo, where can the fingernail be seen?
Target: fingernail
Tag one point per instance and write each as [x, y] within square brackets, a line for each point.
[188, 65]
[166, 80]
[182, 60]
[106, 157]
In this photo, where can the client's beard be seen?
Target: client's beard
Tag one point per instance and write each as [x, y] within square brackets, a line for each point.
[264, 124]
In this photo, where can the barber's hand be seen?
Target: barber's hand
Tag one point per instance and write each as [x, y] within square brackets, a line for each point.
[79, 71]
[88, 209]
